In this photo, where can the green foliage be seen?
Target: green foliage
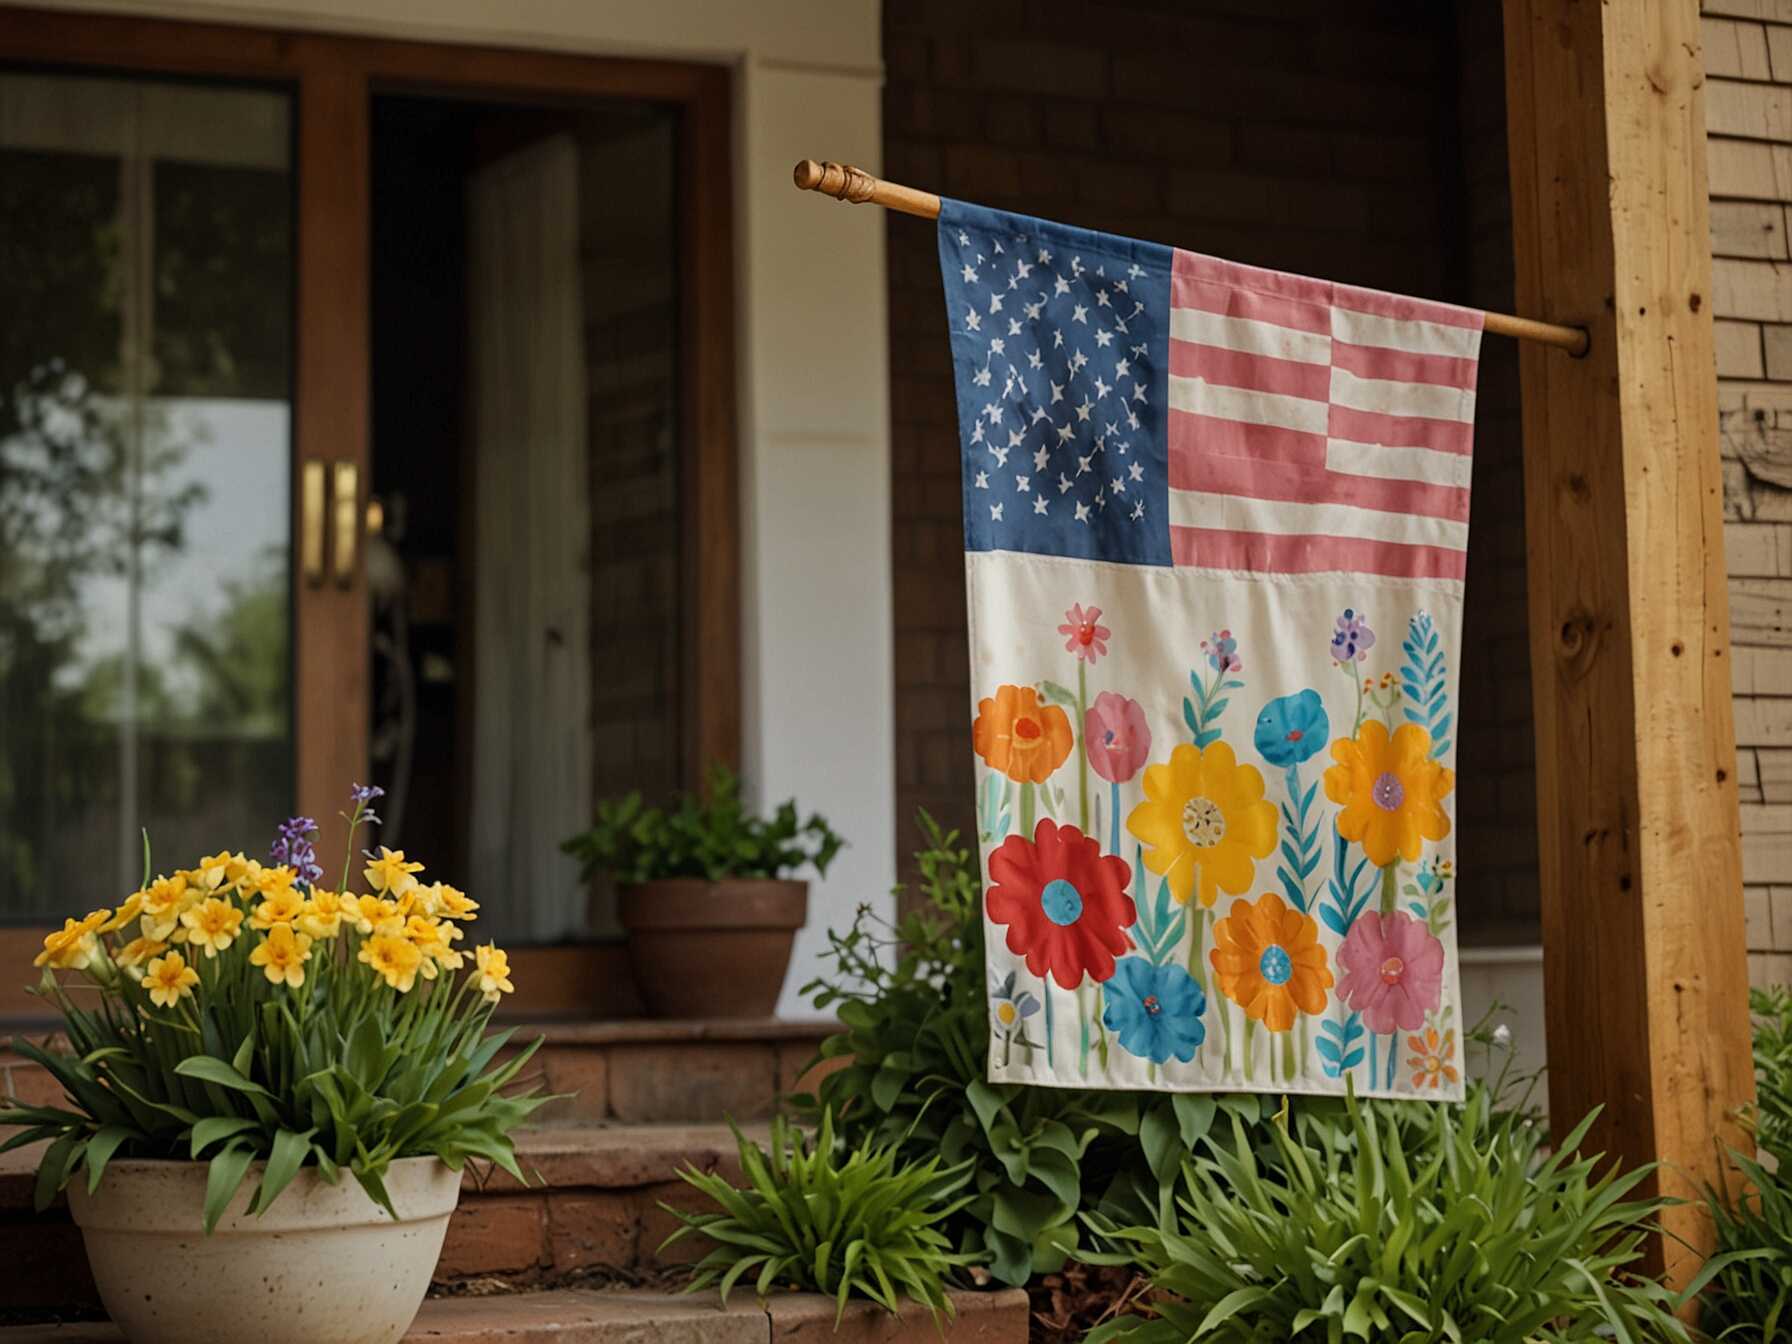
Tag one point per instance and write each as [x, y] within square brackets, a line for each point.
[862, 1222]
[713, 838]
[1750, 1297]
[913, 1002]
[1397, 1222]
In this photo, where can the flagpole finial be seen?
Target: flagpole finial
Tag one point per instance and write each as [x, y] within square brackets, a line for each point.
[844, 182]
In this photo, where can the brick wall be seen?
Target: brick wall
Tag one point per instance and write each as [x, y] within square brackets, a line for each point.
[1748, 109]
[1324, 147]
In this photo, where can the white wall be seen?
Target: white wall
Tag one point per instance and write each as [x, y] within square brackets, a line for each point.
[813, 388]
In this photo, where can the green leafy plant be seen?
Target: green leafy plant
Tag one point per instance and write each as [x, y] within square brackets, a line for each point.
[1396, 1221]
[914, 1005]
[712, 837]
[1750, 1297]
[861, 1222]
[263, 1024]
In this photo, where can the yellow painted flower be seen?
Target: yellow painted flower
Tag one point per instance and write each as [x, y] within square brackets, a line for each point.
[1267, 959]
[323, 914]
[282, 955]
[1433, 1059]
[212, 925]
[394, 957]
[390, 873]
[132, 907]
[72, 947]
[282, 906]
[1205, 821]
[1391, 789]
[163, 901]
[169, 979]
[494, 972]
[453, 903]
[138, 951]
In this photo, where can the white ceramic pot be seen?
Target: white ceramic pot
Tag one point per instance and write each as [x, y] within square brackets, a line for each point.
[323, 1263]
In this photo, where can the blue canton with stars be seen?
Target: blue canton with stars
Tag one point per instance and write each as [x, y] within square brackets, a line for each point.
[1060, 347]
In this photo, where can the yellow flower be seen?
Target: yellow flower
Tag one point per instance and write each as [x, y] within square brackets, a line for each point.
[138, 951]
[494, 972]
[323, 914]
[221, 870]
[1267, 959]
[132, 907]
[364, 912]
[391, 874]
[1391, 790]
[72, 947]
[169, 980]
[395, 958]
[453, 903]
[213, 925]
[434, 940]
[163, 901]
[270, 881]
[283, 906]
[1204, 817]
[282, 955]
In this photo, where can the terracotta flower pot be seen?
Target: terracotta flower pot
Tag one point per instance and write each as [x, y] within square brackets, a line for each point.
[323, 1263]
[712, 949]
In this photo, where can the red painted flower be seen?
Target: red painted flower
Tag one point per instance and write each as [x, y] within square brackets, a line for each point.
[1064, 902]
[1083, 634]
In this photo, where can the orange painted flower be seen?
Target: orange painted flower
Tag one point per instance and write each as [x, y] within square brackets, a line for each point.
[1205, 820]
[1023, 738]
[1268, 961]
[1391, 789]
[1433, 1059]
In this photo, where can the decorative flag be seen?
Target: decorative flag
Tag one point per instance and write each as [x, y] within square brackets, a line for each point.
[1216, 520]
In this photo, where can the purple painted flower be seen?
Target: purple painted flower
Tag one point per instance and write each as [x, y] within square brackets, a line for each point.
[1222, 652]
[1353, 638]
[292, 846]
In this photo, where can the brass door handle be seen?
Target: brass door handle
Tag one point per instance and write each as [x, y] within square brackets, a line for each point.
[348, 530]
[311, 523]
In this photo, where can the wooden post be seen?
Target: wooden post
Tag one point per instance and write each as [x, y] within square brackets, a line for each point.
[1645, 971]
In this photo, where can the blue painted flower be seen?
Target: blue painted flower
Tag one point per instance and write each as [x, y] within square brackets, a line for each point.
[1221, 648]
[1155, 1010]
[1292, 729]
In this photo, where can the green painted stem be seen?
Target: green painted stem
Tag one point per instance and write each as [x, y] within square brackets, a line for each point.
[1197, 935]
[1306, 1042]
[1288, 1051]
[1045, 985]
[1248, 1049]
[1114, 848]
[1028, 801]
[1082, 1017]
[1390, 889]
[1082, 746]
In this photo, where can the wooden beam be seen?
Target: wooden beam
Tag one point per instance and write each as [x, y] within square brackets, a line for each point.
[1645, 972]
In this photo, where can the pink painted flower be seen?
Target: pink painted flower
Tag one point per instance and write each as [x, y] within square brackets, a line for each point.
[1082, 636]
[1118, 740]
[1393, 971]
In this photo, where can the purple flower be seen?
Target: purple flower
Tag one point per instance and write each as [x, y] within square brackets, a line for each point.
[292, 846]
[362, 796]
[1353, 638]
[1222, 652]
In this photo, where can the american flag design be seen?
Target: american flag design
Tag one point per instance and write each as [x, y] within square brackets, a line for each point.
[1216, 525]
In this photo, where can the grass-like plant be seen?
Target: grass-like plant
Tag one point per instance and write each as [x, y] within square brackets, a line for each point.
[712, 837]
[239, 1013]
[1750, 1297]
[1401, 1223]
[856, 1222]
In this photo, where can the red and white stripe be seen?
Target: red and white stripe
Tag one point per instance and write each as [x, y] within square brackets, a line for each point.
[1317, 427]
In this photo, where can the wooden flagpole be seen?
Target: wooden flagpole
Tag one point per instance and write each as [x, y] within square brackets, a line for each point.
[844, 182]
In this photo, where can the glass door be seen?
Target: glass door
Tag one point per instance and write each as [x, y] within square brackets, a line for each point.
[146, 395]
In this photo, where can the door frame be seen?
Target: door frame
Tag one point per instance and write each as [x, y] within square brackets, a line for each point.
[333, 79]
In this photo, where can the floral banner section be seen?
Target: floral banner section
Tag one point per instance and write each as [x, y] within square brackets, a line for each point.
[1214, 650]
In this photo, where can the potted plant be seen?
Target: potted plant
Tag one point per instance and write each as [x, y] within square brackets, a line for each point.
[705, 896]
[272, 1089]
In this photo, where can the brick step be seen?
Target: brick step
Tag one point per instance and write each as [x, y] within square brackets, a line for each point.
[632, 1072]
[582, 1316]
